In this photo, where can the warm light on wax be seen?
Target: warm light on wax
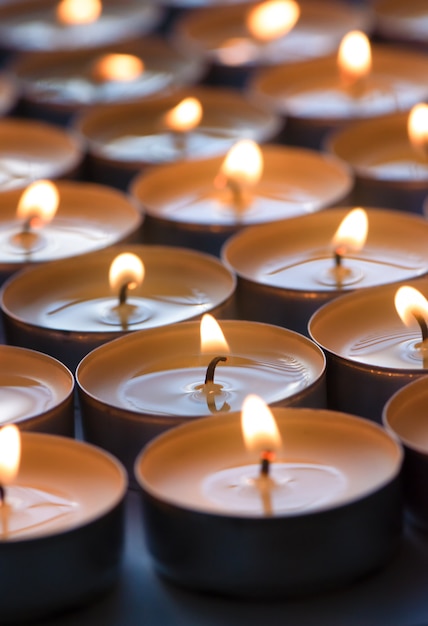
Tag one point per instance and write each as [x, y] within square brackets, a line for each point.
[272, 19]
[38, 204]
[212, 337]
[354, 57]
[78, 11]
[10, 454]
[412, 306]
[126, 272]
[118, 67]
[259, 428]
[185, 116]
[417, 128]
[352, 232]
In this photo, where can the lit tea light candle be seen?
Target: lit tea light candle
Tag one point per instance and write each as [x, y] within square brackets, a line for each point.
[388, 157]
[286, 271]
[31, 150]
[67, 308]
[217, 488]
[49, 221]
[236, 40]
[368, 347]
[212, 199]
[36, 392]
[405, 415]
[57, 85]
[412, 307]
[57, 494]
[124, 139]
[359, 81]
[74, 24]
[172, 375]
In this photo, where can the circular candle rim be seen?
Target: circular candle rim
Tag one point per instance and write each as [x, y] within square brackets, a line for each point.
[111, 251]
[69, 193]
[390, 25]
[11, 11]
[30, 64]
[50, 363]
[325, 416]
[122, 343]
[238, 243]
[186, 171]
[405, 398]
[355, 297]
[72, 146]
[96, 452]
[381, 129]
[284, 74]
[100, 118]
[359, 17]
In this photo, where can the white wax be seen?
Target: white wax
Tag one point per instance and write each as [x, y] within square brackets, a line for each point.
[364, 327]
[331, 458]
[284, 191]
[297, 254]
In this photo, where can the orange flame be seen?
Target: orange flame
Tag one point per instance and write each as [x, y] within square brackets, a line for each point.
[10, 453]
[212, 338]
[409, 304]
[71, 12]
[354, 57]
[185, 116]
[126, 269]
[352, 232]
[118, 67]
[272, 19]
[417, 127]
[38, 203]
[259, 428]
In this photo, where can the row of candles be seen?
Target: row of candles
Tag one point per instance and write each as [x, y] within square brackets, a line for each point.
[331, 468]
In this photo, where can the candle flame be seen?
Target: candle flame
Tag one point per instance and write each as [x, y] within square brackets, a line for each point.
[243, 163]
[272, 19]
[72, 12]
[10, 453]
[212, 338]
[118, 67]
[417, 127]
[352, 232]
[38, 203]
[354, 57]
[126, 269]
[259, 428]
[185, 116]
[410, 304]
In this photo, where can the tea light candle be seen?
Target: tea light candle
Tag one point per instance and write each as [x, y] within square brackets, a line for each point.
[83, 217]
[65, 510]
[321, 95]
[368, 348]
[239, 39]
[124, 139]
[208, 498]
[71, 24]
[31, 150]
[154, 380]
[388, 159]
[404, 23]
[211, 199]
[286, 271]
[59, 84]
[67, 308]
[36, 392]
[405, 415]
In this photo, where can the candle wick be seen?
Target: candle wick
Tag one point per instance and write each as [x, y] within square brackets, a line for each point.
[209, 376]
[422, 325]
[338, 256]
[123, 294]
[266, 459]
[26, 225]
[236, 190]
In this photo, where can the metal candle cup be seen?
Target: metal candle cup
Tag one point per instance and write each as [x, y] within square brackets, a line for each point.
[135, 388]
[405, 415]
[313, 99]
[89, 217]
[219, 35]
[64, 510]
[286, 271]
[388, 171]
[124, 139]
[406, 24]
[30, 150]
[67, 308]
[192, 212]
[370, 353]
[328, 540]
[57, 85]
[36, 392]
